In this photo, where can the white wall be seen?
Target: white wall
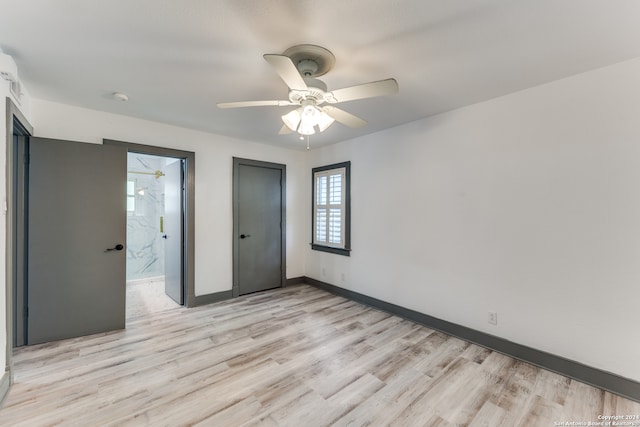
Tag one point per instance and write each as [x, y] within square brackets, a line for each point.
[213, 180]
[528, 205]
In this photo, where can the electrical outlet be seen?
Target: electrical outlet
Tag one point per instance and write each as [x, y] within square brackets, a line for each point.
[342, 277]
[324, 272]
[493, 318]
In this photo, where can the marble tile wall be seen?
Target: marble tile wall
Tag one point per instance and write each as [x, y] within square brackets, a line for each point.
[145, 248]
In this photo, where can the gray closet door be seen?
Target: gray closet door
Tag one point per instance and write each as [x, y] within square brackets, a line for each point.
[76, 229]
[173, 212]
[259, 208]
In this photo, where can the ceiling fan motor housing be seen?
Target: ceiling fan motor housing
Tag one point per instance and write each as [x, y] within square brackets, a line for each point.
[316, 90]
[311, 60]
[307, 67]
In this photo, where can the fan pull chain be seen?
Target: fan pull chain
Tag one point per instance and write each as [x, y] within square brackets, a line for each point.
[307, 142]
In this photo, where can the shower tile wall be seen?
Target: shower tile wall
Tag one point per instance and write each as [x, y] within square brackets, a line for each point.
[145, 249]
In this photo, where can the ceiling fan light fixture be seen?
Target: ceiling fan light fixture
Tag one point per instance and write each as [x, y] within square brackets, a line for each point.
[292, 119]
[309, 111]
[311, 116]
[298, 68]
[305, 119]
[306, 128]
[324, 121]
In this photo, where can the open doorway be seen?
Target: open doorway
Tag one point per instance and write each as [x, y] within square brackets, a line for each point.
[179, 162]
[155, 207]
[23, 295]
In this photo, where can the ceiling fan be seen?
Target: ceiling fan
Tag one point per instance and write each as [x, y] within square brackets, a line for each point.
[298, 67]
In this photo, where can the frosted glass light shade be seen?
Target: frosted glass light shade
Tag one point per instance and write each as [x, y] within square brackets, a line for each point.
[324, 121]
[292, 119]
[310, 113]
[304, 119]
[306, 128]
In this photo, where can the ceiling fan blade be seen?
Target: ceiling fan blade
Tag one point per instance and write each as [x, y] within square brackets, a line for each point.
[287, 71]
[274, 103]
[366, 90]
[343, 117]
[284, 130]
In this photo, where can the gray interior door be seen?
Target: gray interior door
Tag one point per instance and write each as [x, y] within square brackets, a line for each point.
[76, 223]
[173, 232]
[259, 226]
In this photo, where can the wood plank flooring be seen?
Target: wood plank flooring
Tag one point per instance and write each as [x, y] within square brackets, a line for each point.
[296, 356]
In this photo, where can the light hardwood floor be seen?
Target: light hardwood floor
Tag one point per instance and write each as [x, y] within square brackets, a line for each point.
[291, 357]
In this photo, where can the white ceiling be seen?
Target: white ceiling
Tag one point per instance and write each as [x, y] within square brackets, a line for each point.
[177, 59]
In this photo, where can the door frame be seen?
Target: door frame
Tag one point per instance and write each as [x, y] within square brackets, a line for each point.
[236, 226]
[12, 259]
[188, 239]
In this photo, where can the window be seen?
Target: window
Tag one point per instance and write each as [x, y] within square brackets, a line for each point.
[131, 196]
[331, 208]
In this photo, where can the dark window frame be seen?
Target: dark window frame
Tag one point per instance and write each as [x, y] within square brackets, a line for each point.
[346, 251]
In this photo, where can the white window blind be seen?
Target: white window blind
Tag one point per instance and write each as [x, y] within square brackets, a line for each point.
[329, 208]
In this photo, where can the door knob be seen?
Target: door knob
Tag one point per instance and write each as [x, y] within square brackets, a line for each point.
[117, 247]
[244, 236]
